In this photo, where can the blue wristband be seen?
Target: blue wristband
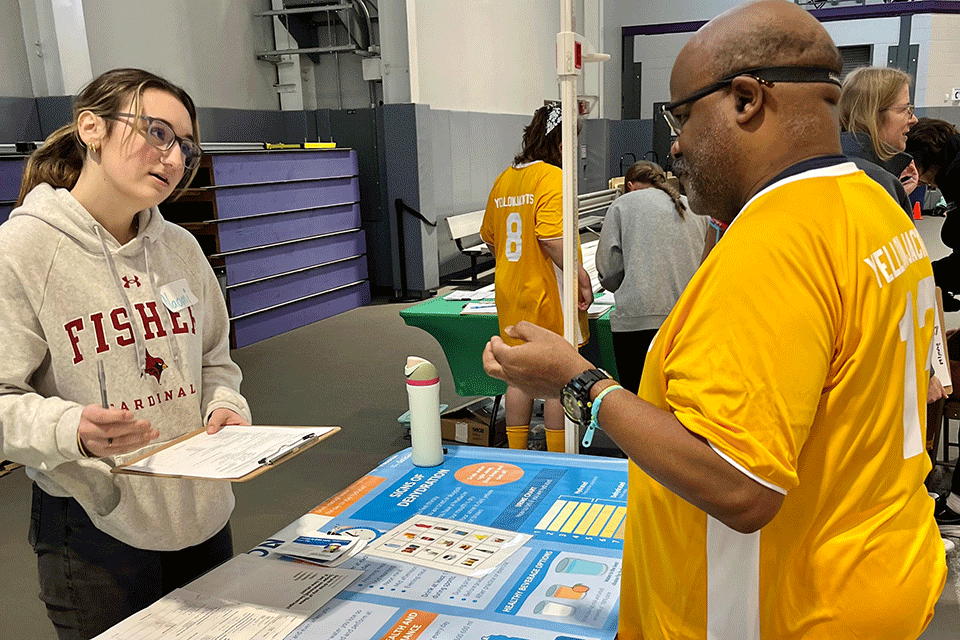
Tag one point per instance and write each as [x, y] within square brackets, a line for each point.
[594, 412]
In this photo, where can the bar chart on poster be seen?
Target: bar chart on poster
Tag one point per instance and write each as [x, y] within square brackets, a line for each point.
[582, 518]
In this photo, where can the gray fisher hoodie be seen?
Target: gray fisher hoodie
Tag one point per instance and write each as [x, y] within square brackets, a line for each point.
[70, 295]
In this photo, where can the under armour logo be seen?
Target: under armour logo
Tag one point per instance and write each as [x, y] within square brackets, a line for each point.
[129, 281]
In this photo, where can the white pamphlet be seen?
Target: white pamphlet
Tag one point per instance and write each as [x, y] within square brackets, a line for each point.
[245, 598]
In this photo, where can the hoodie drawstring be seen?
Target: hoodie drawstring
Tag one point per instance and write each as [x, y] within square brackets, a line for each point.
[171, 340]
[138, 339]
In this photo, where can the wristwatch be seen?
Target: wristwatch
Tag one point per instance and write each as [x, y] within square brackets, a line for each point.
[575, 395]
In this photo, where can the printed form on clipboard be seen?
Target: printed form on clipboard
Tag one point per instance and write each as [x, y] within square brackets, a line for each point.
[235, 453]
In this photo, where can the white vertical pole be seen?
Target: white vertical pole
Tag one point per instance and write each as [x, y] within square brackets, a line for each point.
[572, 51]
[566, 68]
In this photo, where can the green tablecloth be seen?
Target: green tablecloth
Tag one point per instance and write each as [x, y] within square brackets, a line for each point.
[463, 338]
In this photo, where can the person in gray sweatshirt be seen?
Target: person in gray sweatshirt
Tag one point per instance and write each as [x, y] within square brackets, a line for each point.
[650, 246]
[93, 276]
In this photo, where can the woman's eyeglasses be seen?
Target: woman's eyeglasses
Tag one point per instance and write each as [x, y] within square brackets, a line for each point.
[902, 108]
[160, 135]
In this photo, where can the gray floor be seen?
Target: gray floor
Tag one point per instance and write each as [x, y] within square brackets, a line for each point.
[346, 371]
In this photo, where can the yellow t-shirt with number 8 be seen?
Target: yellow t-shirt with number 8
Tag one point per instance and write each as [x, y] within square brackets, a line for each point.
[524, 207]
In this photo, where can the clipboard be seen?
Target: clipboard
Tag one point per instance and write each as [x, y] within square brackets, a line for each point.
[259, 461]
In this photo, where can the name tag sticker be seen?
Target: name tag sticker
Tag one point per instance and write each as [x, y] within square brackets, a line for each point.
[177, 296]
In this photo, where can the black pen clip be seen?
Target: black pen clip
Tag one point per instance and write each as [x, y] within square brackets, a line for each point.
[287, 451]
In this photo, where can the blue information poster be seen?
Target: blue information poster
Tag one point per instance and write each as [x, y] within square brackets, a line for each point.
[563, 584]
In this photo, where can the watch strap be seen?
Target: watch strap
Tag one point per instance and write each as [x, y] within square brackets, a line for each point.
[578, 390]
[594, 412]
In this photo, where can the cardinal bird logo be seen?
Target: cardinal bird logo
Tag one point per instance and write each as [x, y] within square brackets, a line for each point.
[155, 366]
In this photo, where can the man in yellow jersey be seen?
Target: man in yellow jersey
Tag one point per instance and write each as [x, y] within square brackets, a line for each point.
[523, 226]
[777, 451]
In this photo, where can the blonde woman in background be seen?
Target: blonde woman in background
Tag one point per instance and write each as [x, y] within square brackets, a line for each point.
[649, 248]
[875, 116]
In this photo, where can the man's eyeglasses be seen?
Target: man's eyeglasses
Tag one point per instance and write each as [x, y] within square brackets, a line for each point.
[902, 108]
[764, 75]
[160, 135]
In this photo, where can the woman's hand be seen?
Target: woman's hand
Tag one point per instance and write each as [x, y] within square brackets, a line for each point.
[109, 432]
[910, 178]
[935, 391]
[585, 298]
[222, 417]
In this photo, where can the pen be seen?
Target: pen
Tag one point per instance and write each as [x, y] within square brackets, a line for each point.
[296, 447]
[102, 379]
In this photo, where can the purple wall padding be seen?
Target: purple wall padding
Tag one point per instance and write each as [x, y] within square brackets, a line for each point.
[271, 198]
[252, 232]
[291, 286]
[271, 261]
[276, 321]
[11, 171]
[275, 166]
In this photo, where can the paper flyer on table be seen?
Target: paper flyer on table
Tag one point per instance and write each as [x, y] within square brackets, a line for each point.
[246, 597]
[479, 307]
[274, 584]
[448, 545]
[604, 297]
[183, 613]
[329, 550]
[484, 293]
[596, 310]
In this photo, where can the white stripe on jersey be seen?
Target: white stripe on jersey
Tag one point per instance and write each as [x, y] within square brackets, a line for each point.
[733, 583]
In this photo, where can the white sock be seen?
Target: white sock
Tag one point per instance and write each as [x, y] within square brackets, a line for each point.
[953, 502]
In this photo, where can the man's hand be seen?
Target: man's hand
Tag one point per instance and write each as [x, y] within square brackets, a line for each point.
[110, 432]
[540, 367]
[222, 417]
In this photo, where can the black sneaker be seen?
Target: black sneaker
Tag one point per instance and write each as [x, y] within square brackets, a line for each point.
[948, 520]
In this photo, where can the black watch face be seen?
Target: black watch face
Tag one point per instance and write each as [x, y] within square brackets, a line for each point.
[571, 406]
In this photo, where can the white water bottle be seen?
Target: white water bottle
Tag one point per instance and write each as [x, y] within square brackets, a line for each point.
[423, 392]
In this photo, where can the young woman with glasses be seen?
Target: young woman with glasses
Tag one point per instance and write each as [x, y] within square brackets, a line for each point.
[99, 366]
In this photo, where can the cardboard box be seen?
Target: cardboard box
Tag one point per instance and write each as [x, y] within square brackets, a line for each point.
[470, 424]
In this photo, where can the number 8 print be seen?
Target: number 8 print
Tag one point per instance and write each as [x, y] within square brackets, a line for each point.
[514, 245]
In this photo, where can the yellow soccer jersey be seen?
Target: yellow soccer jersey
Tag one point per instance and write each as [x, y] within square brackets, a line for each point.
[799, 351]
[525, 206]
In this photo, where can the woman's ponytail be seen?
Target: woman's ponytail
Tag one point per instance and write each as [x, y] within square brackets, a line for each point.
[58, 162]
[651, 173]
